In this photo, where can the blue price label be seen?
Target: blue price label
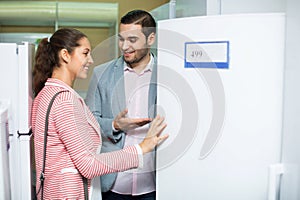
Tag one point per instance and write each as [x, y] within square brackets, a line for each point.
[207, 54]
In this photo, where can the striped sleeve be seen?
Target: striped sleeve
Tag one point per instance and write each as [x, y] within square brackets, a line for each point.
[77, 136]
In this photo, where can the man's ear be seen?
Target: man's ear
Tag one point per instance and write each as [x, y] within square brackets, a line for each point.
[65, 56]
[151, 39]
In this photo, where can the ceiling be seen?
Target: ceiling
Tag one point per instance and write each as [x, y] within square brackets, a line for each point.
[48, 13]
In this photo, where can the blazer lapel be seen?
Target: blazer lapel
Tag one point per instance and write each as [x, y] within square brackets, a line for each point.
[153, 91]
[118, 98]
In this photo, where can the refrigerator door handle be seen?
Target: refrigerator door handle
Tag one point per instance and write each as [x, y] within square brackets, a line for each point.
[29, 133]
[275, 172]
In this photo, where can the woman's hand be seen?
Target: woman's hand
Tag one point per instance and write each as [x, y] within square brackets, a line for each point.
[153, 137]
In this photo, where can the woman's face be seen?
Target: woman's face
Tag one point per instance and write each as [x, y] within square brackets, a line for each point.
[81, 59]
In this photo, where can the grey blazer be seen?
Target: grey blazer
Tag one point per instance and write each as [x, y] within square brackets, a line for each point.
[106, 99]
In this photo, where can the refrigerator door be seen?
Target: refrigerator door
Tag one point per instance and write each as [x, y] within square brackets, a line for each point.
[220, 82]
[9, 91]
[15, 87]
[25, 60]
[4, 166]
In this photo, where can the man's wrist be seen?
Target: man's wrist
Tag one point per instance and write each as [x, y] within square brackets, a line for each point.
[113, 127]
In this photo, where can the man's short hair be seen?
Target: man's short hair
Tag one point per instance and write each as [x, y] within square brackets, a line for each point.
[142, 18]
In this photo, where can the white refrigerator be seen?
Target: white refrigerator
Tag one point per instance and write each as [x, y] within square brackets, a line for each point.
[16, 91]
[4, 166]
[221, 90]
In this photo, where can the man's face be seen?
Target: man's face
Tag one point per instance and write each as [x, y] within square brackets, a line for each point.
[133, 44]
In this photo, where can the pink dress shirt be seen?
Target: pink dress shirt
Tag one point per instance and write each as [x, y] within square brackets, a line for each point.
[137, 181]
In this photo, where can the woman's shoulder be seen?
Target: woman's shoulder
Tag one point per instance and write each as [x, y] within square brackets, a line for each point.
[61, 95]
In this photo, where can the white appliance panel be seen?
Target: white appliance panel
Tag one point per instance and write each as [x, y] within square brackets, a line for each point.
[25, 59]
[9, 91]
[15, 87]
[224, 124]
[5, 189]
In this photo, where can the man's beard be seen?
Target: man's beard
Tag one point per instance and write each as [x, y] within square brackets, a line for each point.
[142, 53]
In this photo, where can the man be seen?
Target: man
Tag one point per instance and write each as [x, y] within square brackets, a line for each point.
[122, 96]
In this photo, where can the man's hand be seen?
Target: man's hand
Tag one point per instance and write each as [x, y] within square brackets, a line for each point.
[121, 122]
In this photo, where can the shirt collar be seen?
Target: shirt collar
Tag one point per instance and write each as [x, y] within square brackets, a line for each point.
[149, 66]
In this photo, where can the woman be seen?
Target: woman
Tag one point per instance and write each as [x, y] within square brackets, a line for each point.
[74, 139]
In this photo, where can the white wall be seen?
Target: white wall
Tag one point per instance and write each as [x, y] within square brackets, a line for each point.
[162, 12]
[247, 6]
[291, 125]
[187, 8]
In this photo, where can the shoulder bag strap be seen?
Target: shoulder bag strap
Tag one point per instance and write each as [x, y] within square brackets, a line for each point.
[85, 186]
[42, 176]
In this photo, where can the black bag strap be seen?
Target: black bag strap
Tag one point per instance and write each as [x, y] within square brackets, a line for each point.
[42, 176]
[85, 186]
